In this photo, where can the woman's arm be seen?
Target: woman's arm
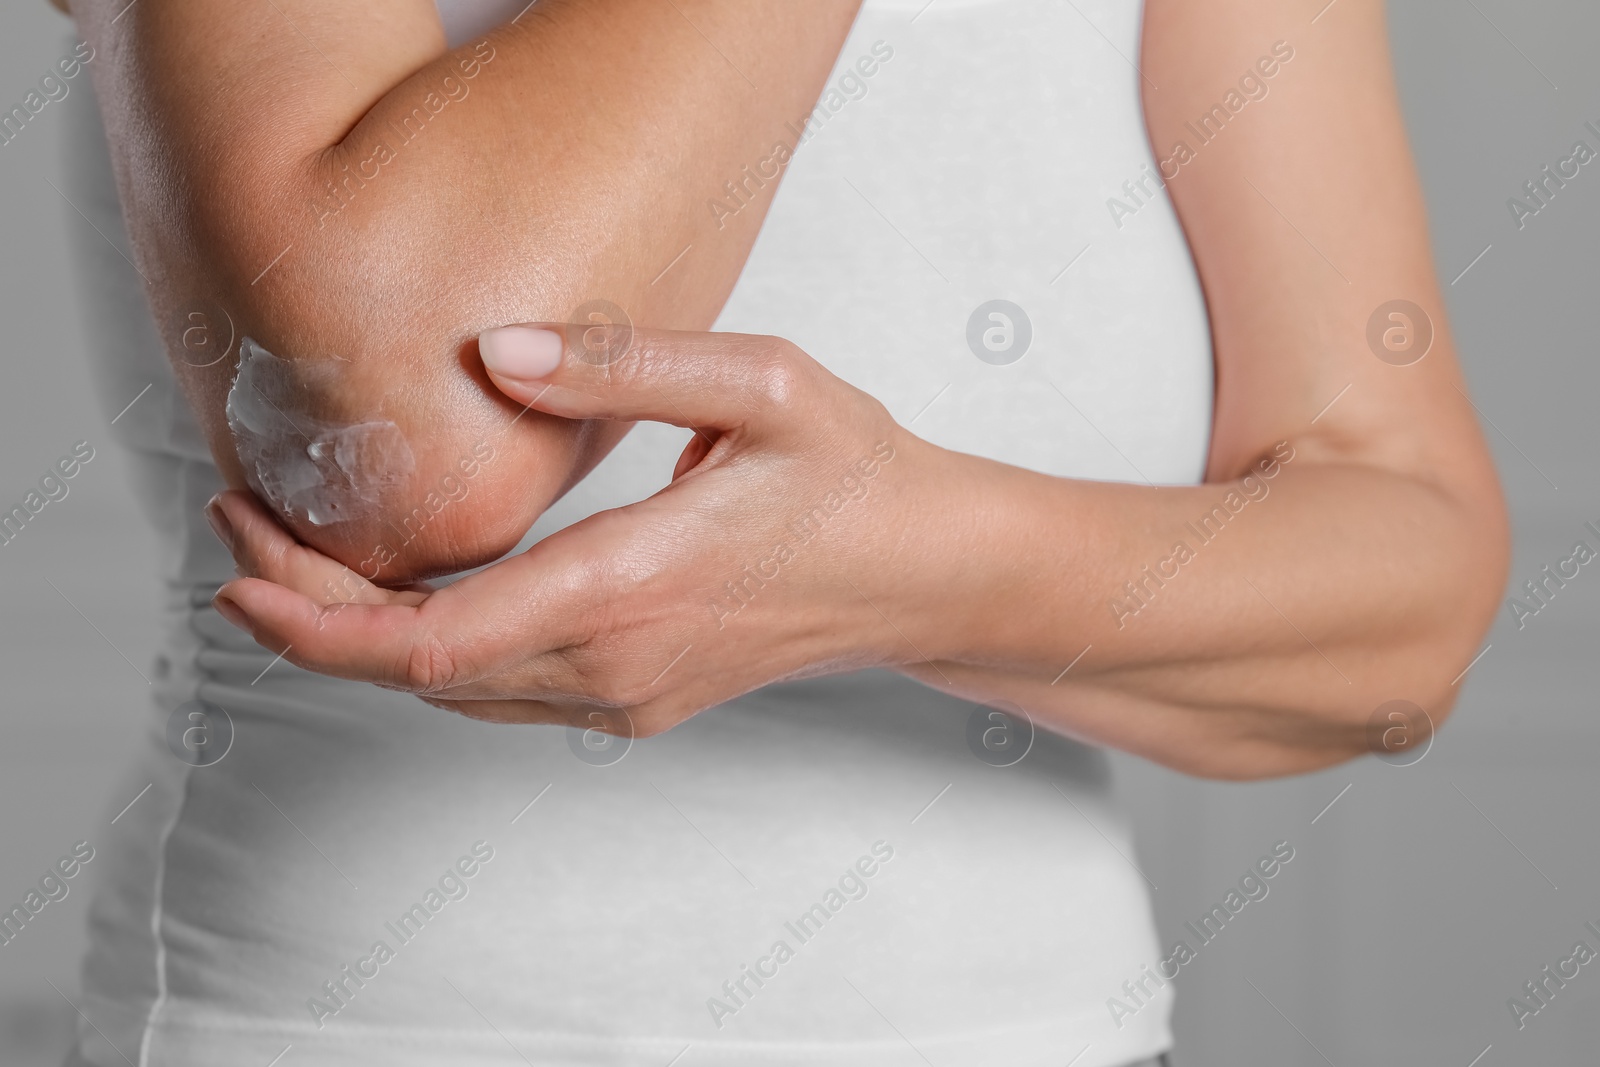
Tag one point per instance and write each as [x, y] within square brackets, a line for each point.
[363, 203]
[1373, 565]
[1347, 550]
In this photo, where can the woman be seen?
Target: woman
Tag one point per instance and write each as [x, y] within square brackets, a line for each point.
[832, 792]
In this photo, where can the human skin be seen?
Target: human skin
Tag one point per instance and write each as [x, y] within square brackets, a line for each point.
[570, 159]
[1369, 574]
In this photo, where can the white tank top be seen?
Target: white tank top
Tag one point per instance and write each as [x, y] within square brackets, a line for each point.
[818, 872]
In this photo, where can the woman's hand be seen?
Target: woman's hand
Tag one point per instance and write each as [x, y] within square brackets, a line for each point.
[790, 506]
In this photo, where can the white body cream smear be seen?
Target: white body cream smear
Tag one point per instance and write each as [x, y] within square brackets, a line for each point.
[305, 466]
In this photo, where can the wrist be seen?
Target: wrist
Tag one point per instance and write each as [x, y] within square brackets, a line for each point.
[921, 590]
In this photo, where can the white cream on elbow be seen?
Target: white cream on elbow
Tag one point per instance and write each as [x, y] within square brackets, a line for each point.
[305, 466]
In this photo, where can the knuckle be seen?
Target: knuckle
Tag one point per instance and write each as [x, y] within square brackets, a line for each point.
[604, 680]
[777, 381]
[430, 665]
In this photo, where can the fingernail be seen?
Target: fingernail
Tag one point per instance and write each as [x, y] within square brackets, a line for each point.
[232, 612]
[521, 352]
[220, 524]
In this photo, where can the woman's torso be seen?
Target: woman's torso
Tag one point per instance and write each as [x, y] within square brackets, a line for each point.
[972, 164]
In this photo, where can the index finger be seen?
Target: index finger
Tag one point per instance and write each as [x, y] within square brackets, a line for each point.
[715, 381]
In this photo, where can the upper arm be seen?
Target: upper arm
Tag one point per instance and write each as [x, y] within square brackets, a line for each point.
[1305, 217]
[363, 203]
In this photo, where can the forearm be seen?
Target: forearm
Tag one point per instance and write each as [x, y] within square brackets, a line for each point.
[1234, 629]
[345, 189]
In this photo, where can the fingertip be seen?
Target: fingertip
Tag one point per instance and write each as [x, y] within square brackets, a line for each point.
[219, 522]
[239, 512]
[236, 592]
[520, 356]
[232, 499]
[235, 602]
[230, 610]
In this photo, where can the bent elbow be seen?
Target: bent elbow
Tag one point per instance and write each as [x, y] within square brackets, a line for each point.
[398, 479]
[360, 412]
[442, 512]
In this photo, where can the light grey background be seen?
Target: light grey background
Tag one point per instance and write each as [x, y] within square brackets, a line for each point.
[1415, 905]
